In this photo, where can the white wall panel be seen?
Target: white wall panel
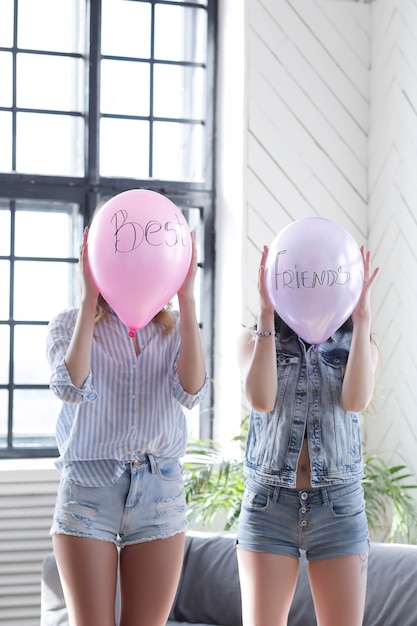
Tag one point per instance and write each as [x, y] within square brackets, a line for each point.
[393, 223]
[27, 500]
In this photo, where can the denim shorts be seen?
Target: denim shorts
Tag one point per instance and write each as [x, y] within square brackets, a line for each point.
[326, 522]
[147, 502]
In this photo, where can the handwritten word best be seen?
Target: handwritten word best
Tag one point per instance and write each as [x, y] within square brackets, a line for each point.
[130, 235]
[308, 279]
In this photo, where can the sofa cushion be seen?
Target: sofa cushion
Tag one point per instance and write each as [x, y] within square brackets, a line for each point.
[54, 611]
[391, 597]
[392, 585]
[209, 591]
[302, 608]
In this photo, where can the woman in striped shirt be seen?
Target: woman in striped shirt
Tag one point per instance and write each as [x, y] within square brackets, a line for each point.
[120, 433]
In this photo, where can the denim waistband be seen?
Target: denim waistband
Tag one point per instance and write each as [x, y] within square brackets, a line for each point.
[319, 495]
[140, 460]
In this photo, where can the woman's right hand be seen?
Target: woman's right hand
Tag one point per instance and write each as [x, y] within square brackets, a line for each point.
[265, 302]
[257, 359]
[78, 355]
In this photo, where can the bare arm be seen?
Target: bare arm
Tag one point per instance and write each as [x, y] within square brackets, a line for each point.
[191, 363]
[358, 383]
[78, 355]
[257, 357]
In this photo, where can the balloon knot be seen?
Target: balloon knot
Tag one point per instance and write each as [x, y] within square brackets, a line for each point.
[131, 333]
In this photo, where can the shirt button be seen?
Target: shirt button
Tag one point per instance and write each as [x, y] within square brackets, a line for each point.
[136, 463]
[304, 523]
[303, 509]
[304, 495]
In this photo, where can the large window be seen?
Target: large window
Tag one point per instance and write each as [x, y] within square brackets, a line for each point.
[97, 97]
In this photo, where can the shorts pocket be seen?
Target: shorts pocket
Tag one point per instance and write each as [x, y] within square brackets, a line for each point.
[347, 503]
[254, 500]
[169, 469]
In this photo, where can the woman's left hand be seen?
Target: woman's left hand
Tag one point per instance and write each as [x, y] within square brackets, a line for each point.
[187, 287]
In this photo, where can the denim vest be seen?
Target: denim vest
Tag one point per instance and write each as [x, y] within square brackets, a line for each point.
[308, 397]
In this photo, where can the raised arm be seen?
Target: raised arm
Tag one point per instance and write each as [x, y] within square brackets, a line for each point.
[358, 383]
[191, 363]
[78, 355]
[257, 355]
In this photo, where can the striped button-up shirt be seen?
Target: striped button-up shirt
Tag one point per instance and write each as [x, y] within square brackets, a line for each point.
[129, 405]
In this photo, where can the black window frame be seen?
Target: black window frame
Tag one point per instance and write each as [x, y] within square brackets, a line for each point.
[87, 191]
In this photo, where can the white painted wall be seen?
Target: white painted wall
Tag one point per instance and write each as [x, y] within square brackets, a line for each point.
[229, 215]
[329, 100]
[392, 217]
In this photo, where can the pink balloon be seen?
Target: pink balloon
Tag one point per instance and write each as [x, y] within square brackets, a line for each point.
[314, 276]
[140, 251]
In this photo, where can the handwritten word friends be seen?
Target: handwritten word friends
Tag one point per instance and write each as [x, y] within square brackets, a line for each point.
[296, 278]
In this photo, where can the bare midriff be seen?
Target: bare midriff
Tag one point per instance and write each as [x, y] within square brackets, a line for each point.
[303, 480]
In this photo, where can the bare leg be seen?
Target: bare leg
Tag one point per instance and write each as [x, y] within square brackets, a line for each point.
[88, 573]
[338, 587]
[267, 583]
[149, 575]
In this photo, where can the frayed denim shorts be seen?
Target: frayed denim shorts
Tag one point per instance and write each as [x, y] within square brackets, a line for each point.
[326, 522]
[146, 503]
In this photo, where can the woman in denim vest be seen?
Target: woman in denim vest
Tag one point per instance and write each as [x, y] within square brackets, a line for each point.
[303, 464]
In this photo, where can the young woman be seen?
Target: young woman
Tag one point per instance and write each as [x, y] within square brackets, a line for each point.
[120, 433]
[303, 464]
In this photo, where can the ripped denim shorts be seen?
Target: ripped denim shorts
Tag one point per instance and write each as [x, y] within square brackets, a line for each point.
[146, 503]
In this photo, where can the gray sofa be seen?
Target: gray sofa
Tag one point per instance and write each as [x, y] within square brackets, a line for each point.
[209, 592]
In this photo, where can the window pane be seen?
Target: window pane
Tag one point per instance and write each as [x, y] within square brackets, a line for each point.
[55, 231]
[125, 88]
[179, 91]
[4, 354]
[4, 229]
[59, 144]
[173, 26]
[126, 29]
[43, 289]
[178, 151]
[4, 290]
[6, 79]
[202, 2]
[124, 146]
[35, 412]
[4, 403]
[50, 82]
[5, 141]
[56, 25]
[6, 21]
[30, 365]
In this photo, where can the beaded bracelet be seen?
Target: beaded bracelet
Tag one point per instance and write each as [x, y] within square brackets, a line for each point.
[262, 333]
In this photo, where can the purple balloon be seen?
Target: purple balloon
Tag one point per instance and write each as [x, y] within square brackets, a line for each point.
[314, 276]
